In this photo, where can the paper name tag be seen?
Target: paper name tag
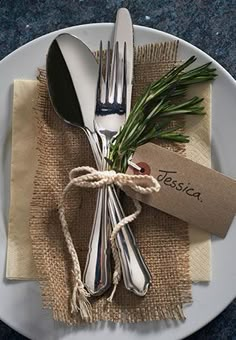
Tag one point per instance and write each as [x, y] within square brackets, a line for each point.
[189, 191]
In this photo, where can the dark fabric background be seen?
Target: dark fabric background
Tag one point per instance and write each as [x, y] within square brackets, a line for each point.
[208, 24]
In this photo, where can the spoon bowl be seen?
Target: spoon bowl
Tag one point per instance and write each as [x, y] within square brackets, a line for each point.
[72, 80]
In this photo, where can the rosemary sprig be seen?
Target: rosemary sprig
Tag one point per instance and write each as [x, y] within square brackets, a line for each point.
[153, 112]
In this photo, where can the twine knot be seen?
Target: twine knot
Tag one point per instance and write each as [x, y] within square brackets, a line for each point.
[93, 178]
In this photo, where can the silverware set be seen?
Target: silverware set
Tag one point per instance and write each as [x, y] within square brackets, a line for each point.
[68, 60]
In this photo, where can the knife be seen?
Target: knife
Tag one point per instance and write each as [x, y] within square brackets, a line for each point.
[136, 275]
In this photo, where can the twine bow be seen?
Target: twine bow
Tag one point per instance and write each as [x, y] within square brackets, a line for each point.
[93, 178]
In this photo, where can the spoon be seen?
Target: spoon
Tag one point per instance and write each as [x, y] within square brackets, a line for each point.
[72, 73]
[63, 94]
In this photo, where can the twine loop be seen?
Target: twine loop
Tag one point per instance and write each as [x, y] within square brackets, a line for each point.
[98, 179]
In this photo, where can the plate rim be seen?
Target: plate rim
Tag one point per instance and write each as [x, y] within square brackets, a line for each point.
[147, 29]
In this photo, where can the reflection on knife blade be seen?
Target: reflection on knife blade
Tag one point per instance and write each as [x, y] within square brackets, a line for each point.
[124, 34]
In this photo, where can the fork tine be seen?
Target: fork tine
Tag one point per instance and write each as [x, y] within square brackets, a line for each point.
[116, 73]
[108, 71]
[124, 90]
[99, 83]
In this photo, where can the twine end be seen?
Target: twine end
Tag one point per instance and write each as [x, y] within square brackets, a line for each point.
[80, 303]
[110, 299]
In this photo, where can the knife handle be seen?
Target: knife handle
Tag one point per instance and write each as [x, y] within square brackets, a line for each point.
[136, 275]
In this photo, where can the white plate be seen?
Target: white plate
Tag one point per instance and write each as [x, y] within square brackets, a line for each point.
[20, 305]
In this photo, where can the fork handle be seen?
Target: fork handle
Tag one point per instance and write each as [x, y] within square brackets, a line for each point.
[136, 275]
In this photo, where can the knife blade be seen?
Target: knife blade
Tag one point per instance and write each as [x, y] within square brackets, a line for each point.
[136, 275]
[123, 33]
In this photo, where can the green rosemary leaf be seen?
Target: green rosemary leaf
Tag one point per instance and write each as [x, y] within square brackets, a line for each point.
[154, 111]
[175, 137]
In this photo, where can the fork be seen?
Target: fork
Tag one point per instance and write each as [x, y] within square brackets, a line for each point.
[110, 115]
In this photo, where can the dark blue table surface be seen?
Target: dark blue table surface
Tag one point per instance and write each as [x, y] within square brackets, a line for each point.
[208, 24]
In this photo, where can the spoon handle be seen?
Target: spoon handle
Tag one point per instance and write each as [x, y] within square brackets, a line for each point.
[97, 272]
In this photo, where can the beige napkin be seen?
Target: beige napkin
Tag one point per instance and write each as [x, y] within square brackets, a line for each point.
[20, 263]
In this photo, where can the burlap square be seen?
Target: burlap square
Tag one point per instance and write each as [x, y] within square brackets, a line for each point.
[163, 239]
